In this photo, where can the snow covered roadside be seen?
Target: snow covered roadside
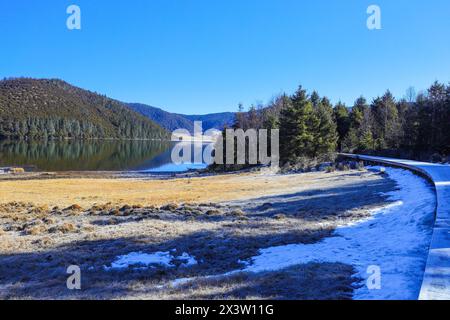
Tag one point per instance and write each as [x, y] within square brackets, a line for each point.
[394, 239]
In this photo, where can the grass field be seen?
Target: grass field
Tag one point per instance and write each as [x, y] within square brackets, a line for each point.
[222, 221]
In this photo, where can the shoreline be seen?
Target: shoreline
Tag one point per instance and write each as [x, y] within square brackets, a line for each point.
[124, 174]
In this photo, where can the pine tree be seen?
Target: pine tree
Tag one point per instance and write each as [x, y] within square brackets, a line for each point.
[325, 139]
[296, 122]
[358, 136]
[437, 96]
[239, 120]
[386, 125]
[366, 141]
[341, 115]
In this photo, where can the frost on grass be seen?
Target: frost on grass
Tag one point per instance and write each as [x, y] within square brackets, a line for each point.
[395, 238]
[140, 260]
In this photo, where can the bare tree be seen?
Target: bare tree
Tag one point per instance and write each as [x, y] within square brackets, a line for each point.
[411, 95]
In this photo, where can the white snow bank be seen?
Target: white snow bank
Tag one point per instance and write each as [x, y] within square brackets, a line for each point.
[145, 260]
[393, 238]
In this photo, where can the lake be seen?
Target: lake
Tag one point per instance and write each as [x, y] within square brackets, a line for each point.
[92, 155]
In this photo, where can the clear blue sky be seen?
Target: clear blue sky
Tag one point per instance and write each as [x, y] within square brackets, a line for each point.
[201, 56]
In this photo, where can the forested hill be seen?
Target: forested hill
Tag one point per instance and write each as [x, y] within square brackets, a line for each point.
[170, 121]
[173, 121]
[214, 120]
[43, 109]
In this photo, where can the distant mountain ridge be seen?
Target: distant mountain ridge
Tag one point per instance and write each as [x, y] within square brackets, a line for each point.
[173, 121]
[52, 108]
[167, 120]
[214, 120]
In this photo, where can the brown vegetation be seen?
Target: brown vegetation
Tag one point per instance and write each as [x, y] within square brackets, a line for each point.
[40, 241]
[89, 192]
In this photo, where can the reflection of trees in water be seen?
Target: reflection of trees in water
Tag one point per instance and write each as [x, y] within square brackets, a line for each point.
[80, 155]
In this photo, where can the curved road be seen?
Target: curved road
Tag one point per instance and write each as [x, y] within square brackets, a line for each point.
[436, 281]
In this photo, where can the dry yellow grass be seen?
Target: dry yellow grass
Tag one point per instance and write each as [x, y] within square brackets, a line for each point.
[39, 240]
[86, 192]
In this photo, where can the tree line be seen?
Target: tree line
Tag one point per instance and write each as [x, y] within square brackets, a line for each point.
[62, 128]
[311, 128]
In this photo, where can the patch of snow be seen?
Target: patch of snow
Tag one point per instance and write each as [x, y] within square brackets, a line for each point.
[393, 238]
[442, 184]
[172, 167]
[190, 261]
[181, 281]
[245, 263]
[142, 261]
[380, 169]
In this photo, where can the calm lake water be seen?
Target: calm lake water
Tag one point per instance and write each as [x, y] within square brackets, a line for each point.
[143, 156]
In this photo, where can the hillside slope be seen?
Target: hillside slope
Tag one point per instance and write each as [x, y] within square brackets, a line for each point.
[50, 108]
[214, 120]
[173, 121]
[167, 120]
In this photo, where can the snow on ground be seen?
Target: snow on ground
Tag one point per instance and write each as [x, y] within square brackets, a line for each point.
[190, 261]
[171, 167]
[393, 238]
[145, 260]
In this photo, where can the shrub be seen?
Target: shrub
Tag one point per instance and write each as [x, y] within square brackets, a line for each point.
[115, 212]
[48, 220]
[341, 166]
[74, 207]
[17, 170]
[125, 208]
[36, 230]
[436, 157]
[41, 209]
[213, 212]
[237, 213]
[279, 216]
[361, 165]
[45, 241]
[170, 207]
[66, 228]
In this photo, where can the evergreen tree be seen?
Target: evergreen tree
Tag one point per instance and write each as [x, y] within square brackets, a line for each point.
[239, 120]
[386, 125]
[437, 98]
[342, 118]
[325, 139]
[359, 136]
[296, 120]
